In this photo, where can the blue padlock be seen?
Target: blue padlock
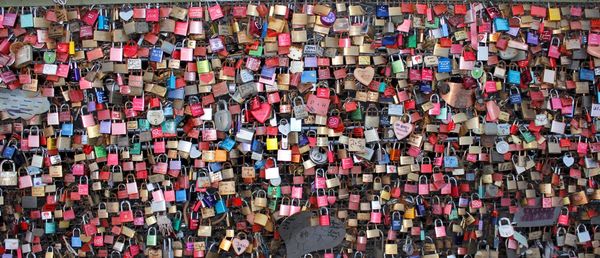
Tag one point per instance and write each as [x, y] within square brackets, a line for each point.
[220, 207]
[389, 40]
[156, 55]
[586, 74]
[308, 77]
[385, 159]
[171, 81]
[514, 77]
[515, 95]
[450, 161]
[257, 146]
[208, 200]
[101, 96]
[9, 151]
[263, 33]
[66, 129]
[91, 105]
[228, 143]
[425, 88]
[101, 20]
[470, 177]
[76, 72]
[382, 11]
[168, 109]
[501, 24]
[396, 221]
[181, 196]
[302, 140]
[420, 207]
[444, 65]
[76, 239]
[215, 166]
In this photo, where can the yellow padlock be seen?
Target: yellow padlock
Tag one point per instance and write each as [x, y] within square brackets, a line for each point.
[554, 14]
[272, 143]
[51, 143]
[409, 213]
[71, 47]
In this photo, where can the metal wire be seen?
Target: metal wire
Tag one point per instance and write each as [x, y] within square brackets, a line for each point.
[15, 3]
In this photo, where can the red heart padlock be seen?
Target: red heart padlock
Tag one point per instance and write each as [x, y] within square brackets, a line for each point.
[262, 113]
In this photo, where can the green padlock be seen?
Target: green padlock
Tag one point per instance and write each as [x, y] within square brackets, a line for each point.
[273, 204]
[357, 115]
[49, 57]
[382, 86]
[274, 191]
[151, 237]
[143, 124]
[203, 66]
[100, 151]
[453, 214]
[477, 71]
[397, 65]
[50, 227]
[257, 52]
[434, 25]
[177, 221]
[136, 149]
[412, 41]
[527, 135]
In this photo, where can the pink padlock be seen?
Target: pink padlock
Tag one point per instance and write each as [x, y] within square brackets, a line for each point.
[375, 216]
[284, 209]
[440, 229]
[331, 197]
[563, 218]
[295, 208]
[284, 40]
[34, 139]
[321, 198]
[324, 217]
[361, 242]
[196, 27]
[297, 192]
[320, 182]
[423, 185]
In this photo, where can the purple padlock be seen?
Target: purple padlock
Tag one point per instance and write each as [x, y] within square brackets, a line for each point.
[329, 19]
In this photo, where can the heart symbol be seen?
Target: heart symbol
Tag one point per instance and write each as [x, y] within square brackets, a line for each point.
[240, 245]
[126, 14]
[195, 152]
[568, 160]
[364, 75]
[263, 113]
[402, 130]
[207, 77]
[284, 128]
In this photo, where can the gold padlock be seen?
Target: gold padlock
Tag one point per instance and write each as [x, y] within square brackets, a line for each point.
[225, 244]
[260, 219]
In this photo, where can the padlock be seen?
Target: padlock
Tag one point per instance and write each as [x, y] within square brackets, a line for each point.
[324, 216]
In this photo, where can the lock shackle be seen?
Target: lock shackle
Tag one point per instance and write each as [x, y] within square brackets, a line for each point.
[579, 226]
[86, 180]
[10, 162]
[153, 229]
[423, 177]
[504, 219]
